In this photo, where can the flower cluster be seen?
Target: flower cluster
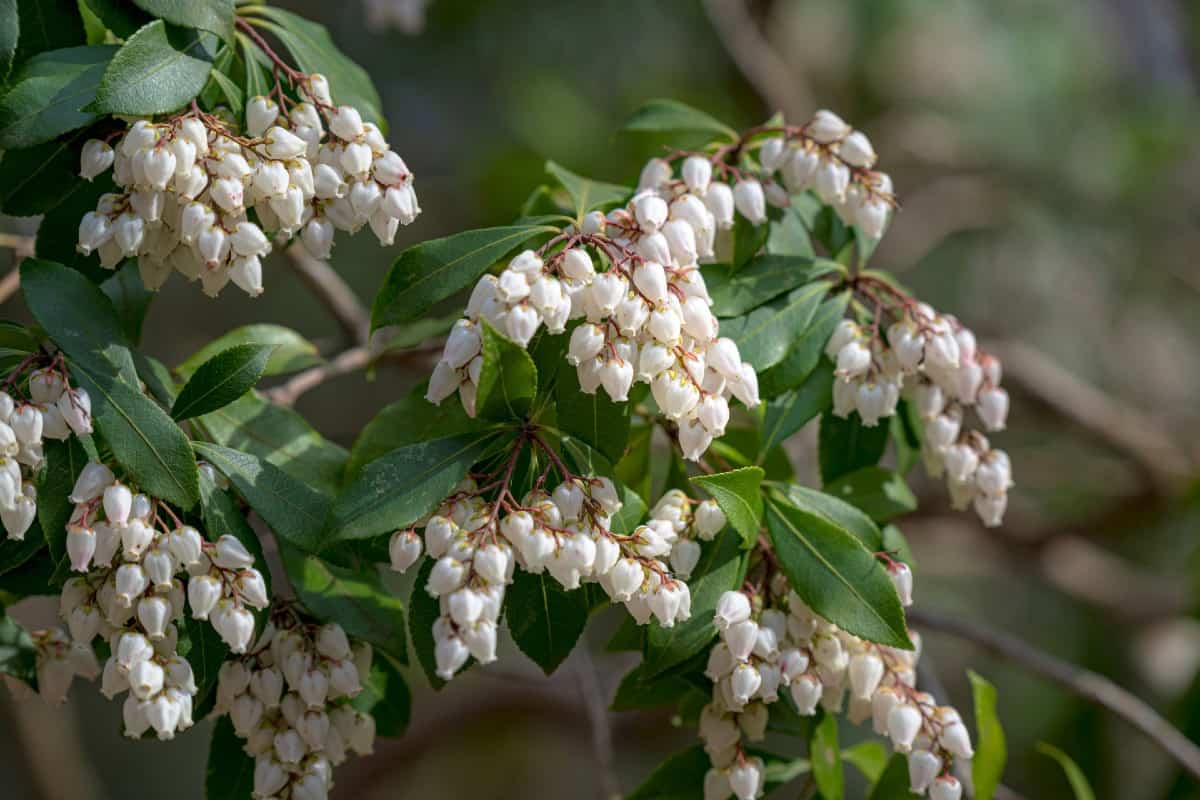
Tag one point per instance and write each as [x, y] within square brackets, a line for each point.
[772, 642]
[51, 409]
[289, 700]
[934, 361]
[132, 595]
[632, 279]
[59, 662]
[686, 522]
[200, 198]
[565, 532]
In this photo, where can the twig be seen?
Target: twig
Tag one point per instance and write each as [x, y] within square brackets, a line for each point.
[347, 361]
[1126, 429]
[597, 711]
[776, 82]
[334, 292]
[1089, 685]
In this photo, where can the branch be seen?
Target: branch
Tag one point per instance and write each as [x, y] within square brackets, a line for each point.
[332, 290]
[776, 82]
[1125, 429]
[1089, 685]
[349, 360]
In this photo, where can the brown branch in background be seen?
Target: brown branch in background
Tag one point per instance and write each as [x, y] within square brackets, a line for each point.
[332, 290]
[1090, 686]
[777, 83]
[355, 358]
[1125, 429]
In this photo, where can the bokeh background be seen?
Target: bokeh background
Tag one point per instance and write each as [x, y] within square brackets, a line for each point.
[1046, 156]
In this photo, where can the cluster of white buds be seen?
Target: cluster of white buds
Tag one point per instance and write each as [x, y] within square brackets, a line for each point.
[289, 700]
[834, 160]
[132, 595]
[54, 410]
[771, 642]
[632, 279]
[686, 522]
[59, 662]
[200, 198]
[566, 533]
[934, 361]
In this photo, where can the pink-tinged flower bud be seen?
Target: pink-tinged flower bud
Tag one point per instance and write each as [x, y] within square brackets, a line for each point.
[856, 150]
[450, 653]
[923, 767]
[75, 405]
[746, 779]
[97, 156]
[945, 787]
[826, 127]
[992, 407]
[732, 608]
[81, 545]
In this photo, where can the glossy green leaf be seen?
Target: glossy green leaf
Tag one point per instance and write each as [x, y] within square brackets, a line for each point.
[789, 412]
[587, 194]
[355, 599]
[670, 116]
[765, 335]
[835, 575]
[806, 349]
[293, 510]
[15, 553]
[879, 492]
[1080, 787]
[119, 16]
[641, 690]
[230, 772]
[64, 462]
[893, 784]
[159, 69]
[739, 495]
[680, 777]
[292, 351]
[600, 422]
[991, 751]
[47, 25]
[423, 612]
[868, 757]
[748, 241]
[432, 271]
[205, 651]
[846, 445]
[544, 619]
[214, 16]
[762, 279]
[508, 379]
[32, 181]
[48, 93]
[386, 697]
[838, 512]
[129, 298]
[401, 487]
[826, 757]
[222, 379]
[789, 236]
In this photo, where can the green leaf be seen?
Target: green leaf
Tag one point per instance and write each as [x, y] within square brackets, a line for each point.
[739, 495]
[10, 28]
[230, 772]
[221, 89]
[355, 599]
[32, 181]
[313, 50]
[838, 512]
[641, 690]
[789, 236]
[205, 651]
[14, 553]
[792, 410]
[129, 298]
[680, 777]
[432, 271]
[671, 116]
[119, 16]
[401, 487]
[595, 419]
[423, 611]
[386, 697]
[893, 784]
[1075, 777]
[214, 16]
[869, 758]
[294, 511]
[991, 752]
[158, 70]
[48, 93]
[407, 421]
[762, 279]
[587, 194]
[418, 331]
[47, 25]
[292, 351]
[765, 335]
[835, 575]
[508, 380]
[722, 567]
[64, 462]
[880, 493]
[748, 241]
[826, 758]
[280, 436]
[544, 619]
[222, 379]
[805, 350]
[846, 445]
[17, 655]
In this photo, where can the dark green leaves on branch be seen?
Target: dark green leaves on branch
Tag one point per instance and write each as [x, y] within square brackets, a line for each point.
[792, 410]
[836, 575]
[739, 495]
[846, 445]
[596, 419]
[423, 611]
[762, 279]
[508, 379]
[119, 16]
[544, 619]
[407, 421]
[767, 334]
[879, 492]
[214, 16]
[671, 116]
[222, 379]
[47, 25]
[159, 69]
[432, 271]
[587, 194]
[230, 772]
[48, 95]
[292, 351]
[838, 512]
[32, 181]
[805, 351]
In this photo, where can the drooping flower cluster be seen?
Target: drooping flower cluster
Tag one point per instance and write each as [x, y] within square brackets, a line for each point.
[566, 532]
[632, 279]
[290, 700]
[201, 198]
[771, 642]
[933, 360]
[132, 551]
[48, 408]
[59, 662]
[689, 522]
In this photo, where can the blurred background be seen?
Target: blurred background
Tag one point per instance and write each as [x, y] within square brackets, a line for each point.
[1046, 157]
